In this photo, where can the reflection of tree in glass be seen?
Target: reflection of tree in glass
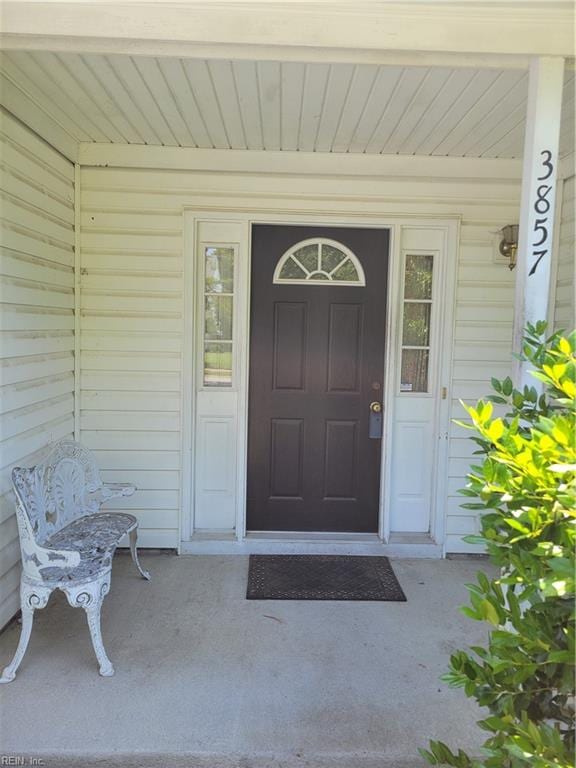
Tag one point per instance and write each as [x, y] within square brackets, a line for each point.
[416, 325]
[219, 270]
[218, 317]
[418, 277]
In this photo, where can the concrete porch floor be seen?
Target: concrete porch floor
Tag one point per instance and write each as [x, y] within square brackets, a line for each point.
[206, 678]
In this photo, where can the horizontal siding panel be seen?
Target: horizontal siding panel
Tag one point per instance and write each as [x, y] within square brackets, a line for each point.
[164, 500]
[23, 419]
[156, 243]
[468, 370]
[145, 304]
[94, 220]
[131, 441]
[37, 316]
[37, 270]
[158, 538]
[34, 146]
[14, 449]
[488, 351]
[139, 459]
[482, 312]
[130, 381]
[26, 318]
[113, 400]
[27, 242]
[36, 294]
[131, 262]
[29, 165]
[22, 343]
[145, 480]
[20, 369]
[130, 341]
[455, 545]
[21, 188]
[130, 420]
[133, 282]
[43, 223]
[159, 362]
[29, 392]
[463, 525]
[111, 321]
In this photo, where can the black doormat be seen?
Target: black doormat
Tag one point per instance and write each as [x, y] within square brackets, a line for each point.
[322, 577]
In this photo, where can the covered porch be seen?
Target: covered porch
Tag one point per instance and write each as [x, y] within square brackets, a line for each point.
[207, 679]
[136, 139]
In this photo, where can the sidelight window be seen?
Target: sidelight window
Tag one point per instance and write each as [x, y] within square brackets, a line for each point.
[218, 315]
[416, 322]
[319, 261]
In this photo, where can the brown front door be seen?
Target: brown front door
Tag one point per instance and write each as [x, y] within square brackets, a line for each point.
[316, 365]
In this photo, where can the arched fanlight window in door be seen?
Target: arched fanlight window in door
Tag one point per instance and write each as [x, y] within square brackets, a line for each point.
[319, 261]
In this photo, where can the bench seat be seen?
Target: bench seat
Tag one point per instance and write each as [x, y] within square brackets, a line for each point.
[95, 537]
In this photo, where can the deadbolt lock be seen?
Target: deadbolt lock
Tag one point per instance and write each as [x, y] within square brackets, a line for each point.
[375, 407]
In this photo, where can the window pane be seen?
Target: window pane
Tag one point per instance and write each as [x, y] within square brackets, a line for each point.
[414, 375]
[218, 317]
[418, 277]
[292, 271]
[416, 325]
[217, 365]
[308, 256]
[331, 257]
[346, 272]
[219, 270]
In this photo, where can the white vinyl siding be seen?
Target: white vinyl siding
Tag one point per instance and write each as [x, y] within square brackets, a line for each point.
[132, 305]
[37, 326]
[564, 309]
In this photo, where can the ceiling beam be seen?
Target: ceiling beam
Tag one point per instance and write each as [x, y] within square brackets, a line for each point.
[341, 30]
[301, 163]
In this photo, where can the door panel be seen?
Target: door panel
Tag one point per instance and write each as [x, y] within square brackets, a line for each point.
[316, 364]
[344, 347]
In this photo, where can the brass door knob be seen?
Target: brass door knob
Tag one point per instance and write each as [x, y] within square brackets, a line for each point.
[375, 407]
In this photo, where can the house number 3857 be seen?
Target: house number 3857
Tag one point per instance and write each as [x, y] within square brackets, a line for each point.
[542, 209]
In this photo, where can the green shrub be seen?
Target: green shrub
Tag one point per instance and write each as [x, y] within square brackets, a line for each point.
[525, 488]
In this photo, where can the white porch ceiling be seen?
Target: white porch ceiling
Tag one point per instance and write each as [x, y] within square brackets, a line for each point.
[266, 105]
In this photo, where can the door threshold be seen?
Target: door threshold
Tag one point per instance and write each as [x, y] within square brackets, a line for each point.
[289, 543]
[312, 536]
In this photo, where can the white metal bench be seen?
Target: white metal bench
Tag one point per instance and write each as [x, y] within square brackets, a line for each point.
[66, 542]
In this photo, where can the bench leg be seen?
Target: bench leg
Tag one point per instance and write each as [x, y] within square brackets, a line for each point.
[134, 551]
[30, 599]
[90, 597]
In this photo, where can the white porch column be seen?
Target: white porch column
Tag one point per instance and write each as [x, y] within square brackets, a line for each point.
[537, 201]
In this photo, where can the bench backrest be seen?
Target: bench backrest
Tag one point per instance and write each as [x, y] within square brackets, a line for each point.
[56, 491]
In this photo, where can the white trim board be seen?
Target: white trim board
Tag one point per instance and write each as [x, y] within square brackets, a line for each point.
[486, 29]
[297, 163]
[201, 540]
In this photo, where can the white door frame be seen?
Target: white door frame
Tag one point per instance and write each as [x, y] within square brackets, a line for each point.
[205, 541]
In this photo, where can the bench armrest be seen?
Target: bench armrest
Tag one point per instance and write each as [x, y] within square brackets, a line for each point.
[115, 490]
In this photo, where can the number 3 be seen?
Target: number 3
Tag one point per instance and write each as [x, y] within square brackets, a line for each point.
[547, 164]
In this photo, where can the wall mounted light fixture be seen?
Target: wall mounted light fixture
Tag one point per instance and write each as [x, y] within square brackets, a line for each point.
[509, 243]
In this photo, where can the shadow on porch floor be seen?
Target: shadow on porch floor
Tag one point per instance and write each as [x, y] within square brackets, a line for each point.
[205, 678]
